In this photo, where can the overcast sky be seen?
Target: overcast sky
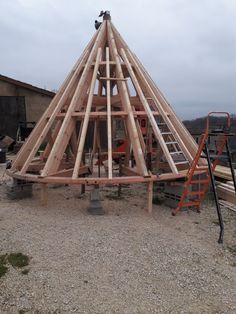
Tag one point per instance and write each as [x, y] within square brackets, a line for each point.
[188, 46]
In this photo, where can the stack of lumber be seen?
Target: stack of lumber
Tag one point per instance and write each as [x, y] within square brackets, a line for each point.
[223, 173]
[226, 191]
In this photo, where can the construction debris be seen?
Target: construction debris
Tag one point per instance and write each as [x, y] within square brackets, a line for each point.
[6, 142]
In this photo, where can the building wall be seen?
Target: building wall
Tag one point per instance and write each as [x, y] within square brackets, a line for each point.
[35, 102]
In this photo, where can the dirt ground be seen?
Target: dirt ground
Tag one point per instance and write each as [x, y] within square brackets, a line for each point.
[127, 261]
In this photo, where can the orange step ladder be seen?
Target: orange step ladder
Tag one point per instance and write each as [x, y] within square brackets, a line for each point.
[191, 198]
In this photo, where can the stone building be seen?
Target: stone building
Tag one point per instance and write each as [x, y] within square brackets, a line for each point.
[21, 104]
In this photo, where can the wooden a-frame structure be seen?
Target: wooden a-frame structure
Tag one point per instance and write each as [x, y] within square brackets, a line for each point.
[108, 89]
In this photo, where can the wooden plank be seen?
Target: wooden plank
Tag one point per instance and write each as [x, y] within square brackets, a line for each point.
[36, 167]
[86, 118]
[56, 155]
[73, 141]
[69, 172]
[132, 129]
[96, 114]
[140, 134]
[109, 136]
[223, 172]
[52, 138]
[151, 118]
[112, 78]
[86, 181]
[100, 100]
[129, 171]
[149, 196]
[226, 194]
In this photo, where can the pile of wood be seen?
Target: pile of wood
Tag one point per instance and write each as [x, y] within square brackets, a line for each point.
[225, 189]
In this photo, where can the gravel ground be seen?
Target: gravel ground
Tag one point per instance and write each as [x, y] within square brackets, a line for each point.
[127, 261]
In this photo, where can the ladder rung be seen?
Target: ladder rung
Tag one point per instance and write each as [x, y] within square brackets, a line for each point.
[169, 143]
[190, 204]
[165, 133]
[177, 152]
[199, 181]
[181, 162]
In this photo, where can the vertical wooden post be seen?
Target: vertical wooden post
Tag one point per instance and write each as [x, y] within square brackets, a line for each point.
[150, 196]
[109, 135]
[83, 185]
[120, 174]
[44, 194]
[99, 162]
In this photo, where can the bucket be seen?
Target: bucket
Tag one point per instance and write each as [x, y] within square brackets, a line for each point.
[2, 157]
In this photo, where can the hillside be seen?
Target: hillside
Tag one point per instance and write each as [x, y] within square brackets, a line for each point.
[197, 126]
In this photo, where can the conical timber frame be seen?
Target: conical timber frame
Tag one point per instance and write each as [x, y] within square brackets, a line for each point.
[77, 133]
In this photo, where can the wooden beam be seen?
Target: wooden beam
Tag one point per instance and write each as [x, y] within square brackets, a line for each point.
[68, 172]
[86, 118]
[140, 135]
[129, 171]
[149, 196]
[86, 181]
[109, 136]
[112, 78]
[227, 193]
[96, 114]
[37, 167]
[52, 137]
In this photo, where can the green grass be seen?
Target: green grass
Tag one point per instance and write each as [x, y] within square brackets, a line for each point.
[3, 267]
[3, 270]
[3, 259]
[18, 260]
[22, 311]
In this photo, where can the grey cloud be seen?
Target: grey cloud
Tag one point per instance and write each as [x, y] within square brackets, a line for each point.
[188, 47]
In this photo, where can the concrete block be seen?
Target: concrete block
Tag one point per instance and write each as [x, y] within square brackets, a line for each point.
[19, 190]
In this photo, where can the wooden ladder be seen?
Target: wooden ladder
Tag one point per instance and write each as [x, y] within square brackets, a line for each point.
[172, 145]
